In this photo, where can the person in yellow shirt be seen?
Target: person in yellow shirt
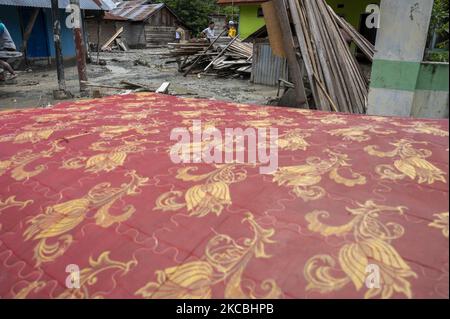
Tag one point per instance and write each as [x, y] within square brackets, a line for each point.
[232, 32]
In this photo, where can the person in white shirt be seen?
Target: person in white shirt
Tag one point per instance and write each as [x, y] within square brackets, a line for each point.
[209, 32]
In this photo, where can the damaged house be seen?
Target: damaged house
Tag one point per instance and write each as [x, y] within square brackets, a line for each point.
[144, 24]
[30, 25]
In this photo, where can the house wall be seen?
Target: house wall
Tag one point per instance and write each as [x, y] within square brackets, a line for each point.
[67, 38]
[108, 29]
[134, 34]
[160, 28]
[11, 17]
[352, 9]
[249, 21]
[163, 18]
[431, 97]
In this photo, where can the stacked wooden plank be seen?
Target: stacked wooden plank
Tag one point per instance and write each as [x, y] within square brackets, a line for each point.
[187, 49]
[336, 80]
[240, 49]
[230, 58]
[360, 41]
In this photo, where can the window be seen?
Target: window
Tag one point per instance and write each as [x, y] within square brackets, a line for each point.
[260, 13]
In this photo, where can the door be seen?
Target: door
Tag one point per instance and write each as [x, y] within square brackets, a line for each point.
[38, 45]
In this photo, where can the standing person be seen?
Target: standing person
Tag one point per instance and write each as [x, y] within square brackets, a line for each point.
[6, 44]
[232, 32]
[180, 34]
[209, 32]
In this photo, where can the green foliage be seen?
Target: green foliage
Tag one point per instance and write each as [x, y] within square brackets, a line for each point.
[195, 12]
[439, 21]
[437, 56]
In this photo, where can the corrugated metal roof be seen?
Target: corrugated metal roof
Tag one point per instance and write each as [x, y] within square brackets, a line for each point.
[84, 4]
[134, 10]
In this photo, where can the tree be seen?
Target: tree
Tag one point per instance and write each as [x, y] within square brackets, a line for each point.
[195, 12]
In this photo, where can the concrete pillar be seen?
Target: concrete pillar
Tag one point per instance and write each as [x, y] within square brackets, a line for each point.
[400, 47]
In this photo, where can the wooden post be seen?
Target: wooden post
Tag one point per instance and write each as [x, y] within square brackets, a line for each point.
[79, 45]
[295, 73]
[58, 50]
[99, 33]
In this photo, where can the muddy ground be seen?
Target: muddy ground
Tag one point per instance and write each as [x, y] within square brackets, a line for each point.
[34, 87]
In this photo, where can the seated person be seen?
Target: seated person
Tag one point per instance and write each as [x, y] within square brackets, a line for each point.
[6, 44]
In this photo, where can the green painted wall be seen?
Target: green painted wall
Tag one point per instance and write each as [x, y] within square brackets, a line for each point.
[394, 75]
[410, 76]
[352, 10]
[249, 21]
[433, 77]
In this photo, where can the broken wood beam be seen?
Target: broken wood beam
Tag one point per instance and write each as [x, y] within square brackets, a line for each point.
[295, 72]
[221, 53]
[111, 40]
[204, 52]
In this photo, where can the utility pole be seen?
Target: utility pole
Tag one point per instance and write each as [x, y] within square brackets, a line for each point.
[79, 44]
[58, 51]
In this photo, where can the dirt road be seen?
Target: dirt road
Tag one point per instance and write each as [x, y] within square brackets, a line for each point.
[34, 89]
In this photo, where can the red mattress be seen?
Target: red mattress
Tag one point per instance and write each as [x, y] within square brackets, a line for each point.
[90, 186]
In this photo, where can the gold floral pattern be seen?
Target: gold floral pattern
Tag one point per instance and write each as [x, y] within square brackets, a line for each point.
[59, 219]
[411, 163]
[294, 140]
[12, 202]
[88, 276]
[441, 222]
[329, 119]
[112, 131]
[211, 196]
[224, 261]
[371, 243]
[19, 162]
[305, 179]
[360, 133]
[32, 136]
[422, 127]
[108, 160]
[268, 122]
[92, 183]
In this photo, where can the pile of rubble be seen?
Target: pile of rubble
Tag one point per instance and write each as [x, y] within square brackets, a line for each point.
[224, 57]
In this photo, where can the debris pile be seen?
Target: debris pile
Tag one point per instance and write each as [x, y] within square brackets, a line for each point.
[335, 78]
[229, 59]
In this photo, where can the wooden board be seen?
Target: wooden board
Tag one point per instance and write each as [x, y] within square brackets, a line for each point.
[273, 29]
